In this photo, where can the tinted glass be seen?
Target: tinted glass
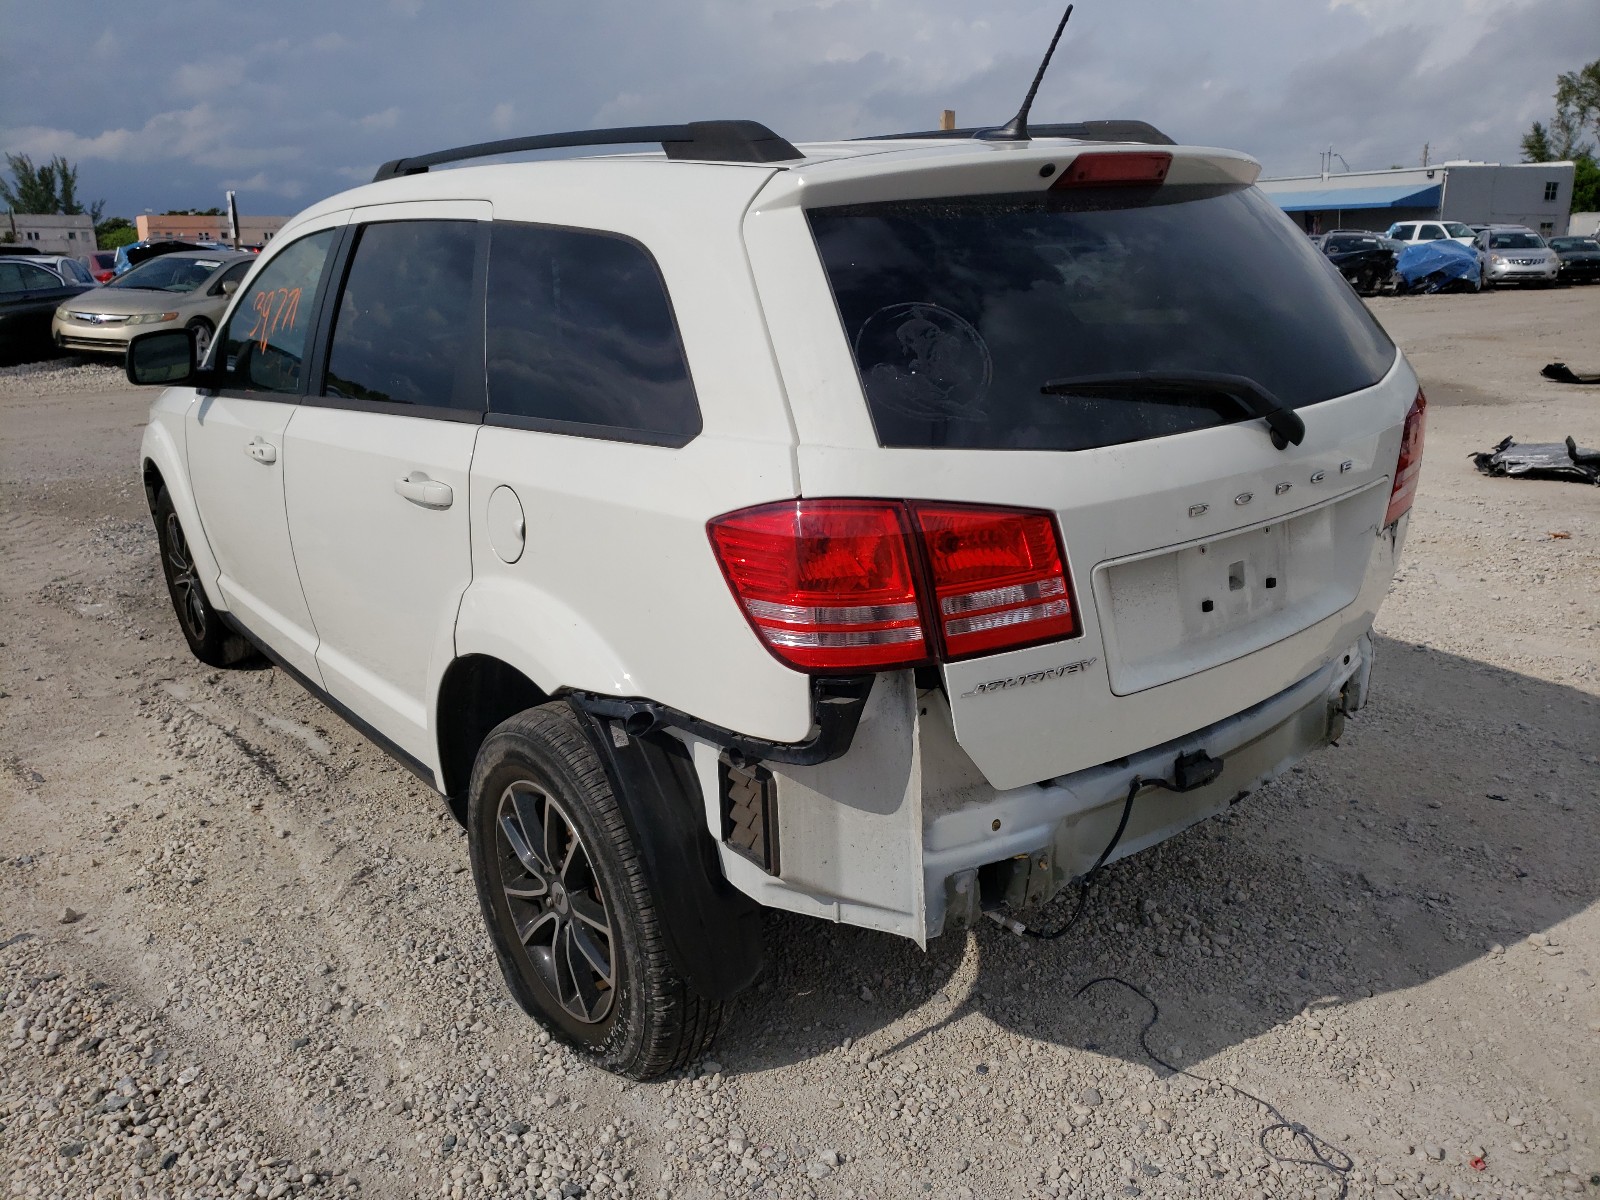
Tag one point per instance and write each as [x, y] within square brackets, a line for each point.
[581, 335]
[36, 279]
[11, 278]
[1515, 241]
[264, 346]
[234, 273]
[405, 331]
[959, 310]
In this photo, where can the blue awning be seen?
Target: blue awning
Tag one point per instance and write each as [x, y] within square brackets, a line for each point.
[1397, 195]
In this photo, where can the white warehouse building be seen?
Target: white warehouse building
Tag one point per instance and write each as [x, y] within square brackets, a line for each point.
[1538, 195]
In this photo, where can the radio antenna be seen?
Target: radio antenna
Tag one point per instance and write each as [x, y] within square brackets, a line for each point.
[1016, 129]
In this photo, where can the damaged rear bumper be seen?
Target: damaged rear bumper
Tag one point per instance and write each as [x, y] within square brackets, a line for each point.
[856, 841]
[1048, 835]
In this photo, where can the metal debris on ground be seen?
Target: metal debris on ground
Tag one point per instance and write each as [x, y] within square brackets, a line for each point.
[1541, 460]
[1561, 373]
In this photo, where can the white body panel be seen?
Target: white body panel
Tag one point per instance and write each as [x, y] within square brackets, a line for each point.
[241, 503]
[382, 574]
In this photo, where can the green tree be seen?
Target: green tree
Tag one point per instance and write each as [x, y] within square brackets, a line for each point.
[1577, 112]
[114, 232]
[1536, 145]
[1586, 185]
[49, 188]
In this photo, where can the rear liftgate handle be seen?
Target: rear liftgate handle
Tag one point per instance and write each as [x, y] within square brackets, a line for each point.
[429, 493]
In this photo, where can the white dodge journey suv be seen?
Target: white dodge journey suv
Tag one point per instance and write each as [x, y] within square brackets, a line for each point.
[890, 531]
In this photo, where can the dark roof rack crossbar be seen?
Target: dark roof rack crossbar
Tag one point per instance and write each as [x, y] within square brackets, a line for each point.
[1083, 131]
[708, 141]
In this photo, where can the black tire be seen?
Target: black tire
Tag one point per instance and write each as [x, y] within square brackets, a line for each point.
[210, 639]
[538, 778]
[201, 332]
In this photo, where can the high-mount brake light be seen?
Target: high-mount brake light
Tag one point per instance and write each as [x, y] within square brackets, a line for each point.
[843, 585]
[1409, 465]
[1118, 169]
[998, 578]
[826, 584]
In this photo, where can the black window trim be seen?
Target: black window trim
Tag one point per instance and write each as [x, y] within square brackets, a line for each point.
[327, 309]
[313, 335]
[584, 429]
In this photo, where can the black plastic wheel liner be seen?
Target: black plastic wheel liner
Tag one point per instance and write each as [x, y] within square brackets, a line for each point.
[712, 930]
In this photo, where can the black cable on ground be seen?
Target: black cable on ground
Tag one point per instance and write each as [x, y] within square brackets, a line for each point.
[1138, 785]
[1323, 1155]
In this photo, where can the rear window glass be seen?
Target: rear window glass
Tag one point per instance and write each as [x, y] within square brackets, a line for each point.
[959, 310]
[582, 339]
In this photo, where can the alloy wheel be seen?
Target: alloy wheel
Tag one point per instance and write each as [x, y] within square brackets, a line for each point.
[185, 582]
[557, 907]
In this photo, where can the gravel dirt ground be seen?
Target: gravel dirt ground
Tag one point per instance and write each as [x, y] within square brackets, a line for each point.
[240, 952]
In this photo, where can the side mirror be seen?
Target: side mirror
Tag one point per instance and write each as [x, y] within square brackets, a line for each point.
[230, 286]
[165, 357]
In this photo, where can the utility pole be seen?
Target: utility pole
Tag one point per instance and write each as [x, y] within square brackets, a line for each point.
[947, 119]
[1425, 153]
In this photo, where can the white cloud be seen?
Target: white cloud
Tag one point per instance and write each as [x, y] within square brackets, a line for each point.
[503, 116]
[200, 134]
[387, 119]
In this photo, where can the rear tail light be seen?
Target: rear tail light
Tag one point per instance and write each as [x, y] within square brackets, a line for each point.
[827, 584]
[998, 579]
[861, 585]
[1114, 170]
[1409, 466]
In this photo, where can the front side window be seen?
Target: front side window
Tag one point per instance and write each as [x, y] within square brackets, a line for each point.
[407, 330]
[970, 318]
[264, 346]
[582, 338]
[1431, 233]
[1457, 230]
[233, 274]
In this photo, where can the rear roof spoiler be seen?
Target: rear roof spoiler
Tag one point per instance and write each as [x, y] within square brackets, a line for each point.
[707, 141]
[1083, 131]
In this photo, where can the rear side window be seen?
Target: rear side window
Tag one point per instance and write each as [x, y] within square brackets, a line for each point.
[581, 338]
[264, 345]
[407, 330]
[959, 311]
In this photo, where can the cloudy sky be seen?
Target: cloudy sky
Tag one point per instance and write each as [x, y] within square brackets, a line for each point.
[166, 104]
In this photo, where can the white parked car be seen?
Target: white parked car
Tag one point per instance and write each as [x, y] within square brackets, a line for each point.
[1431, 231]
[888, 531]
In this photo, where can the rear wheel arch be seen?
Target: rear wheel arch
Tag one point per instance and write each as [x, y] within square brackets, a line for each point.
[476, 693]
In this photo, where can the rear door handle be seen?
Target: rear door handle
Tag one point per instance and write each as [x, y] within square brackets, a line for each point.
[260, 450]
[429, 493]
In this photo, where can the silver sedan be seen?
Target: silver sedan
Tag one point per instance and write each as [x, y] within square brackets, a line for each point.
[185, 290]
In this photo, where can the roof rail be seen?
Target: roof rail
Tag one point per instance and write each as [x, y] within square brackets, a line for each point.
[1083, 131]
[710, 141]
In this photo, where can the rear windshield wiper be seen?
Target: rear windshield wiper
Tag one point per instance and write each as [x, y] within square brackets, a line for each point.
[1285, 423]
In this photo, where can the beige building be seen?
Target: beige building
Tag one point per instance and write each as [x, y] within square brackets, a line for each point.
[48, 233]
[253, 231]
